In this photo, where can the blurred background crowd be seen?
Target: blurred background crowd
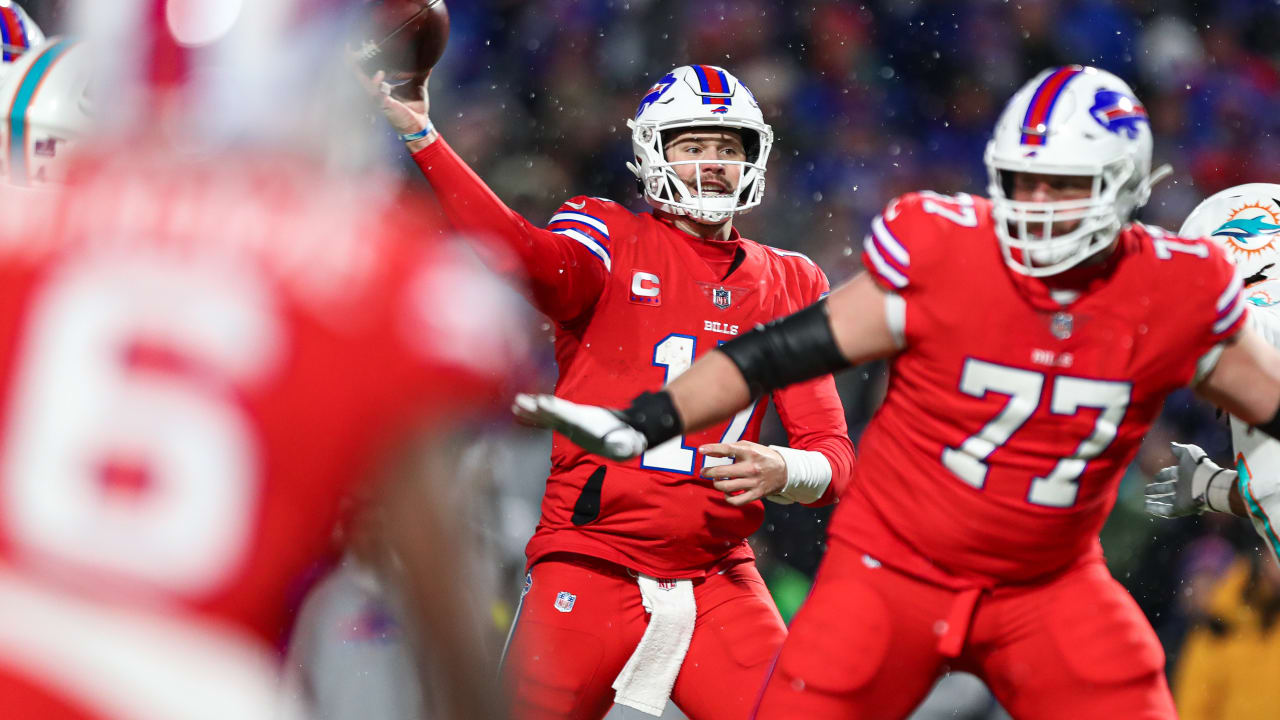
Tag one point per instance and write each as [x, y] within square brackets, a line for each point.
[869, 100]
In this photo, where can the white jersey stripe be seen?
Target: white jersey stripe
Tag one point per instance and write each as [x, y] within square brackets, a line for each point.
[596, 248]
[884, 269]
[889, 242]
[1229, 318]
[791, 253]
[583, 218]
[1232, 291]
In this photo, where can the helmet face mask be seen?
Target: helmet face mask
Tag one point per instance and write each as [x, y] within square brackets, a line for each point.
[1068, 121]
[703, 97]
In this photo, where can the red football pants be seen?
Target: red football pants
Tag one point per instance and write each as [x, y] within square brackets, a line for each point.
[562, 663]
[870, 642]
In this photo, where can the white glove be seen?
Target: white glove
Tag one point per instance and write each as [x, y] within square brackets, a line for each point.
[1195, 484]
[595, 429]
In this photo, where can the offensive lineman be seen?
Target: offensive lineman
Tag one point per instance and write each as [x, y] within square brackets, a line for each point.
[1030, 351]
[1245, 221]
[640, 578]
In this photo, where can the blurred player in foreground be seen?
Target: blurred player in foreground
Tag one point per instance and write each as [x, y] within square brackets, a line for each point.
[206, 342]
[1245, 221]
[640, 578]
[1031, 348]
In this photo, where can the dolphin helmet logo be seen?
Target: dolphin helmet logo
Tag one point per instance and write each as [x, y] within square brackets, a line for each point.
[1250, 230]
[1118, 113]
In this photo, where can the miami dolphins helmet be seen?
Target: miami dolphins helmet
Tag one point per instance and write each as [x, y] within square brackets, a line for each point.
[1245, 221]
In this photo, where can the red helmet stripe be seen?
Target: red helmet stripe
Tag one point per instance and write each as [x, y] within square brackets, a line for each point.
[1043, 101]
[12, 32]
[715, 83]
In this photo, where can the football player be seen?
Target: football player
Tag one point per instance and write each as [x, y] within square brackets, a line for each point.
[200, 354]
[641, 585]
[1030, 350]
[1245, 221]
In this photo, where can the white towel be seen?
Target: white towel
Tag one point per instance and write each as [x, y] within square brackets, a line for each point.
[646, 680]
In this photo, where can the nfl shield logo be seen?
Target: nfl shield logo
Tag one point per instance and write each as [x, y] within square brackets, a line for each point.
[666, 584]
[721, 297]
[565, 601]
[1062, 325]
[528, 584]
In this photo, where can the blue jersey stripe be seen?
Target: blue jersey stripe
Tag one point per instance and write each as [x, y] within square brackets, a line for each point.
[21, 102]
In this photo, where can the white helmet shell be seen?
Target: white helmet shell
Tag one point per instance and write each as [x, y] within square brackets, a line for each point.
[47, 112]
[1070, 120]
[698, 96]
[18, 34]
[1245, 221]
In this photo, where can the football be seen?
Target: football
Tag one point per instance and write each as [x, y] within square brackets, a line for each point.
[404, 38]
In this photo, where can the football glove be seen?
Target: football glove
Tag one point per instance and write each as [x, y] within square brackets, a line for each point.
[595, 429]
[1186, 488]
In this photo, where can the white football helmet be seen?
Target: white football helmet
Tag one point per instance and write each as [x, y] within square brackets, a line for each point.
[46, 112]
[698, 96]
[1070, 120]
[18, 34]
[1244, 221]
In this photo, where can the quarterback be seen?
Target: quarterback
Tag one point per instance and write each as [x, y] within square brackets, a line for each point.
[641, 584]
[1030, 349]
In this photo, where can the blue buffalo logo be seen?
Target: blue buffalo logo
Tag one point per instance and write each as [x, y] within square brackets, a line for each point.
[720, 110]
[1117, 112]
[656, 92]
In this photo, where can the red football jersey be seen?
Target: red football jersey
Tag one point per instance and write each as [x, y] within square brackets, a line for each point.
[635, 303]
[197, 363]
[1009, 417]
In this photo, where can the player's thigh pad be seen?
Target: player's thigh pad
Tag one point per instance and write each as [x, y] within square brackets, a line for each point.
[1077, 647]
[735, 641]
[578, 622]
[862, 646]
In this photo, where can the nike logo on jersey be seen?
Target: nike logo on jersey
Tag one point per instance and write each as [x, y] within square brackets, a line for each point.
[576, 205]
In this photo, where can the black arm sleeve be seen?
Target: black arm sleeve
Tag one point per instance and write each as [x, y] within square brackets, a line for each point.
[786, 351]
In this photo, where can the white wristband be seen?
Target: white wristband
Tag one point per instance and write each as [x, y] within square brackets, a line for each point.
[1218, 494]
[808, 475]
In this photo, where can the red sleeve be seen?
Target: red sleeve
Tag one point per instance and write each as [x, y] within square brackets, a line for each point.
[564, 275]
[813, 416]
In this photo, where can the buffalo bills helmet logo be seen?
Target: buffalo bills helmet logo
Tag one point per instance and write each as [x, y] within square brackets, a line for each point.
[657, 91]
[1117, 112]
[720, 110]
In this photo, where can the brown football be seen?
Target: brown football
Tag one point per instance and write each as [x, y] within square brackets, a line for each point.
[405, 38]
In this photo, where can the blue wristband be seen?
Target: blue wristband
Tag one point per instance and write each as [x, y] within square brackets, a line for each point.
[410, 137]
